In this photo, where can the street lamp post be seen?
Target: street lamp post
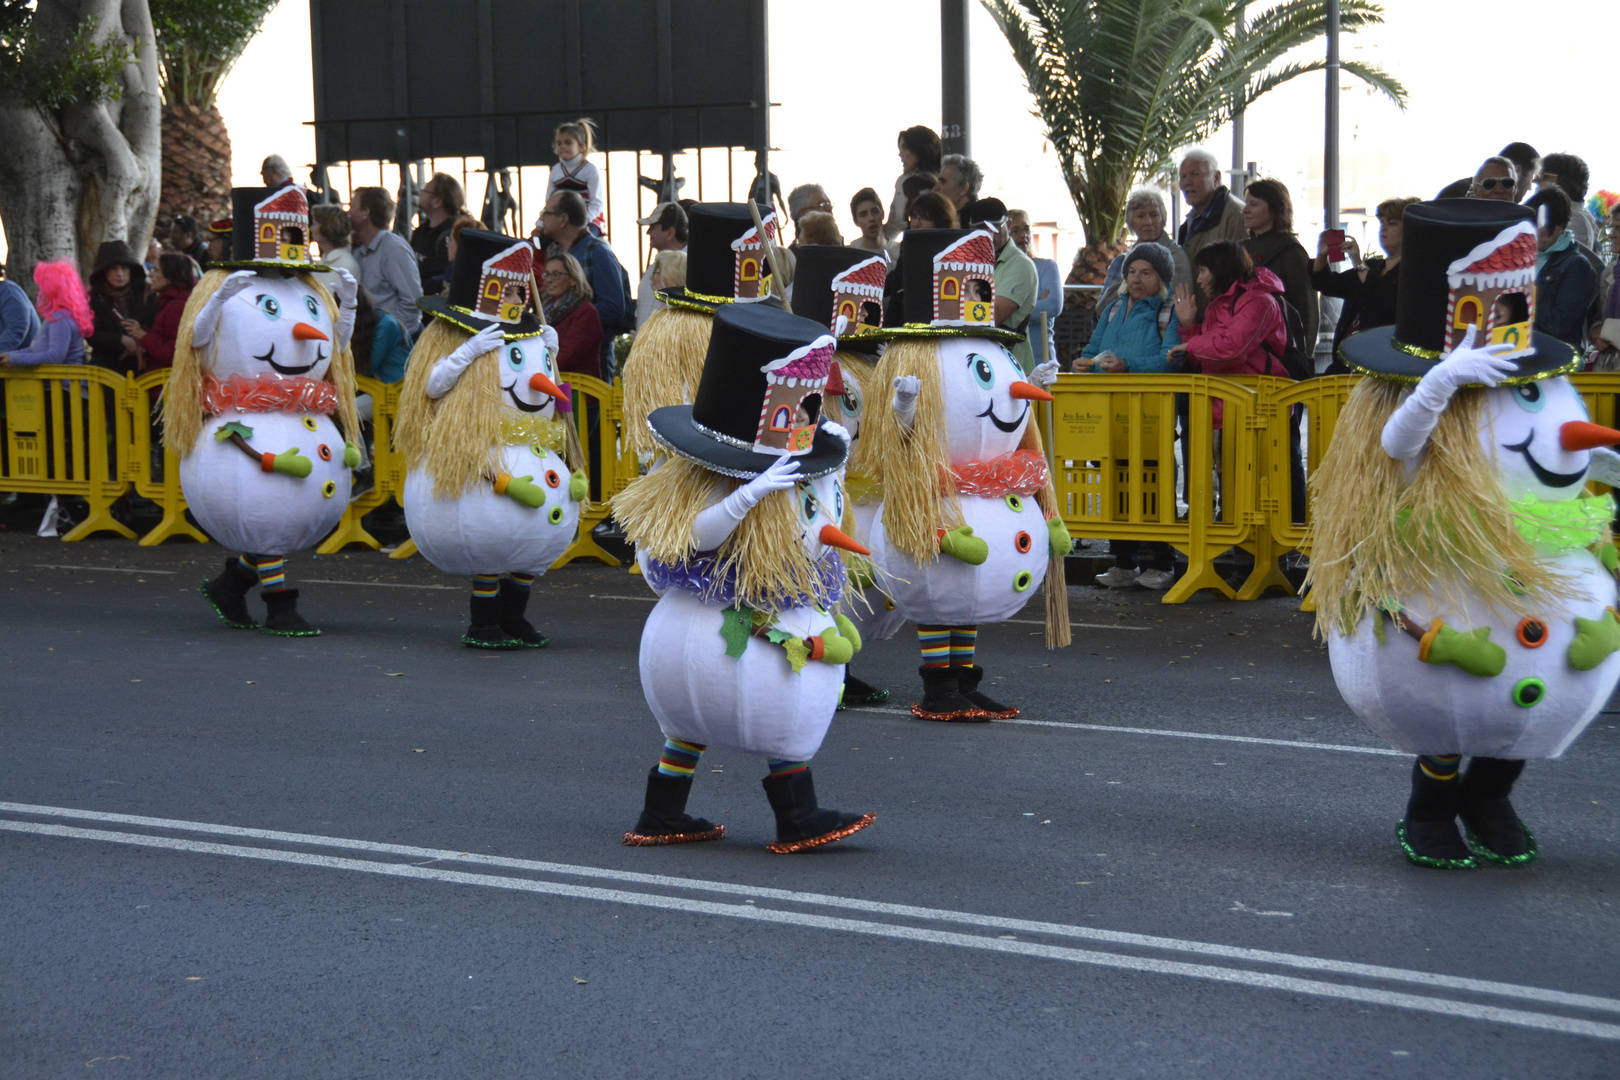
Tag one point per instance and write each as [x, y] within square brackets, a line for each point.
[1330, 152]
[953, 70]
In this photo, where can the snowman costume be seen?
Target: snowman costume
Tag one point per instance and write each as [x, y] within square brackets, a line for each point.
[1464, 578]
[260, 406]
[968, 530]
[842, 288]
[739, 532]
[495, 474]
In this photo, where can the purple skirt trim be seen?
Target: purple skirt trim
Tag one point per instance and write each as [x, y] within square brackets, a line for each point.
[698, 576]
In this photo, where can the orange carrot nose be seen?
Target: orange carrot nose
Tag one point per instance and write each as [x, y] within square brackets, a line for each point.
[833, 536]
[835, 382]
[305, 332]
[1579, 435]
[1028, 392]
[544, 385]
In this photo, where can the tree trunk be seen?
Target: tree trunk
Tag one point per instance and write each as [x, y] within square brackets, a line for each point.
[196, 164]
[75, 176]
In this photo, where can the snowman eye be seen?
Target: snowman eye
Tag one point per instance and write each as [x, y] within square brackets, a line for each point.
[514, 356]
[314, 309]
[1530, 398]
[851, 401]
[809, 504]
[982, 370]
[270, 307]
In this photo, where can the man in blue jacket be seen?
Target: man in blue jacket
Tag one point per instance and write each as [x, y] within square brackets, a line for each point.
[19, 322]
[562, 225]
[1565, 278]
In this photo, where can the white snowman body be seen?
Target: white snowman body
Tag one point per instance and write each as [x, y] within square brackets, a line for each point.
[755, 702]
[480, 532]
[1437, 708]
[982, 421]
[235, 501]
[872, 611]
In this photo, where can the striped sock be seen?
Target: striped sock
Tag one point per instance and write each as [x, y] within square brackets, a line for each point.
[486, 586]
[1439, 766]
[680, 758]
[779, 767]
[963, 639]
[247, 563]
[272, 572]
[935, 642]
[522, 581]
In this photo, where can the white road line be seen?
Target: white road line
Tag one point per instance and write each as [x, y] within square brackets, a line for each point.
[643, 599]
[375, 584]
[990, 922]
[107, 569]
[1564, 1025]
[1296, 744]
[1088, 625]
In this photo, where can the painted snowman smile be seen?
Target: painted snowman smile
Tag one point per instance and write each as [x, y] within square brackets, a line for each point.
[1543, 474]
[511, 392]
[1003, 425]
[284, 369]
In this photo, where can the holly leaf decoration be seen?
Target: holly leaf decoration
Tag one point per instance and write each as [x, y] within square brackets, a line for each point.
[798, 653]
[776, 637]
[233, 427]
[735, 625]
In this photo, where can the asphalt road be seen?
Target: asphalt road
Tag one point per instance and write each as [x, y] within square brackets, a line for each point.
[379, 853]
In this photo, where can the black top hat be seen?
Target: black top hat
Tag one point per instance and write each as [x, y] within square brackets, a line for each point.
[1464, 263]
[491, 284]
[949, 282]
[842, 289]
[725, 258]
[759, 398]
[270, 228]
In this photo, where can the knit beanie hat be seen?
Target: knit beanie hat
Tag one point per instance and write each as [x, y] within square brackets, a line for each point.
[1155, 255]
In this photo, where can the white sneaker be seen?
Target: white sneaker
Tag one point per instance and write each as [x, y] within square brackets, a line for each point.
[1118, 578]
[1156, 579]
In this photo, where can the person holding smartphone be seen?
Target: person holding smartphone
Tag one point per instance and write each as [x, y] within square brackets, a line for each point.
[119, 297]
[1367, 287]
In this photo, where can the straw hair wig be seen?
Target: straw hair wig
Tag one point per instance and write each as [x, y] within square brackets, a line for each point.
[664, 367]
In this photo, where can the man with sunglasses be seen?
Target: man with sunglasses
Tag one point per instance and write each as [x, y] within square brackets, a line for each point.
[1497, 178]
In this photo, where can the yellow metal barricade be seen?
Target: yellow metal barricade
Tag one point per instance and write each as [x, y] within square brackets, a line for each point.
[161, 485]
[605, 456]
[67, 433]
[1114, 453]
[387, 471]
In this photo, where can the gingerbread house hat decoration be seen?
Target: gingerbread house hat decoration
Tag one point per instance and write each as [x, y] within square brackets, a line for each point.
[270, 228]
[949, 283]
[491, 284]
[1467, 264]
[726, 257]
[760, 397]
[842, 289]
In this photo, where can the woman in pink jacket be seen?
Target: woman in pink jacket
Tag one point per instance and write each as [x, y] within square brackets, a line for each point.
[1242, 330]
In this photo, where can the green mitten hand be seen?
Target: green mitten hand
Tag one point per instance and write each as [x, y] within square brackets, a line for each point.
[1058, 534]
[526, 491]
[960, 543]
[835, 648]
[1473, 652]
[847, 629]
[859, 572]
[1609, 556]
[351, 455]
[1595, 640]
[291, 463]
[578, 486]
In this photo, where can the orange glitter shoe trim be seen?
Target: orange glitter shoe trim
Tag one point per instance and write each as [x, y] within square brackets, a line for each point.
[788, 848]
[635, 839]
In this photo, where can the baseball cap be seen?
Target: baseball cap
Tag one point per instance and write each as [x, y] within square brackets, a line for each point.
[667, 214]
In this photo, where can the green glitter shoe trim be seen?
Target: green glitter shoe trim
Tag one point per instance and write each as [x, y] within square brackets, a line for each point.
[1478, 847]
[290, 633]
[202, 587]
[1424, 860]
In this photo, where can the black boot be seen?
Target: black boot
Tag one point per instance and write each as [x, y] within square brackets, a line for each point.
[664, 819]
[1494, 829]
[282, 616]
[860, 692]
[943, 700]
[800, 824]
[514, 598]
[968, 679]
[485, 631]
[228, 594]
[1428, 834]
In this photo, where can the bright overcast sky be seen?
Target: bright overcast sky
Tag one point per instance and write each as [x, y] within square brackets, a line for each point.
[1469, 95]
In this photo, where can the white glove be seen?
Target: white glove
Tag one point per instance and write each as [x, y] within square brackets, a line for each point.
[1044, 375]
[445, 373]
[714, 523]
[202, 327]
[906, 389]
[1407, 431]
[1605, 467]
[345, 292]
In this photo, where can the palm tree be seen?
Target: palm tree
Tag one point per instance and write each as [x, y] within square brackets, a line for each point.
[1121, 84]
[198, 42]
